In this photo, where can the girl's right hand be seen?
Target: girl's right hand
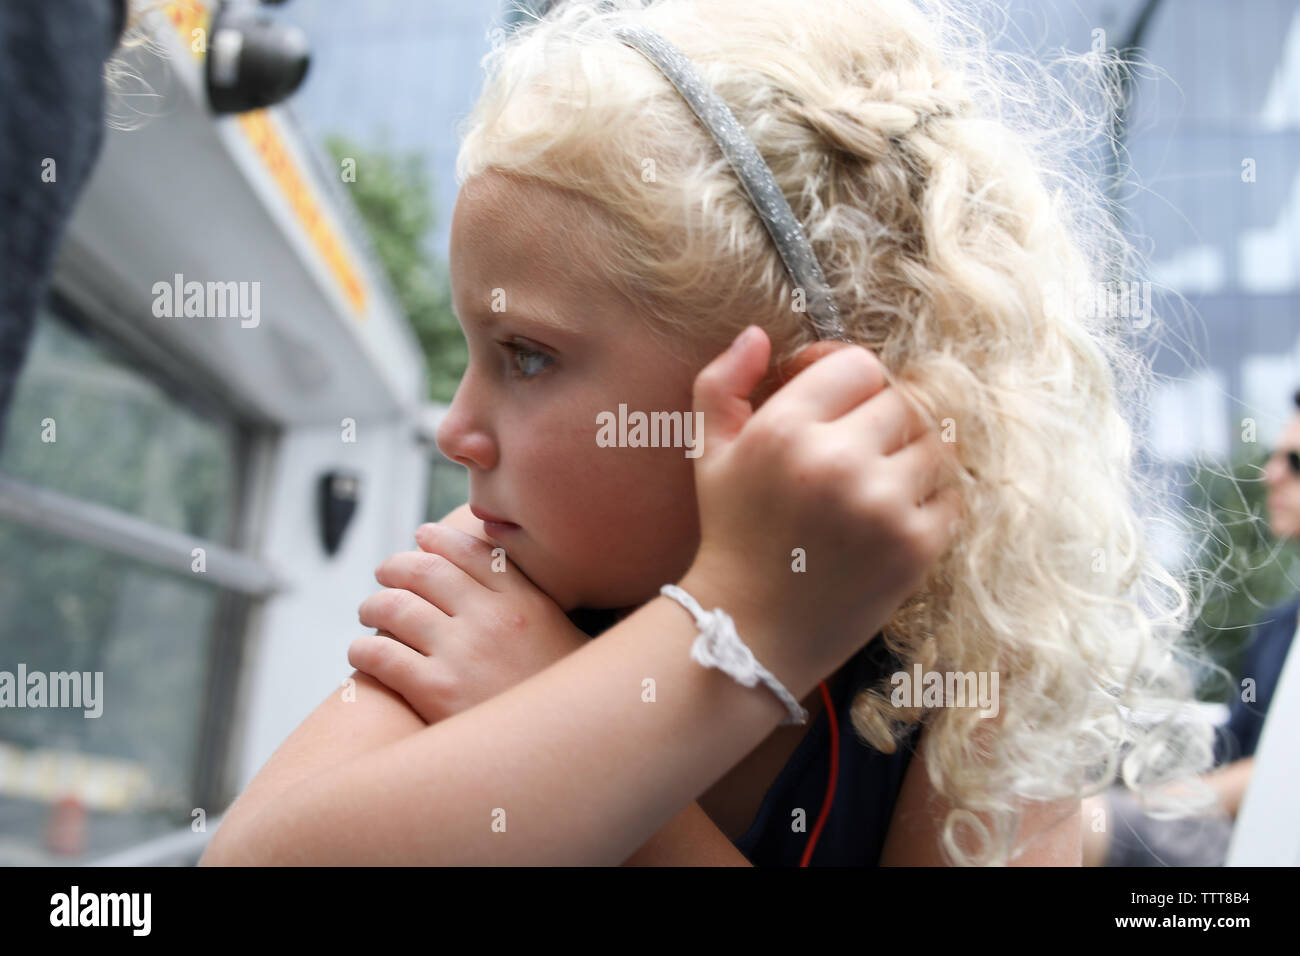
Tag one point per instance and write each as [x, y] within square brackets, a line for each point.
[820, 512]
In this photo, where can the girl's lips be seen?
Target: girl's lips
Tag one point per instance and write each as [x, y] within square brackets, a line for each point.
[496, 529]
[491, 523]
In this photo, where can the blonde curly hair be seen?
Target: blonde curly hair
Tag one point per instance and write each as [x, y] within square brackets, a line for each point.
[128, 96]
[945, 191]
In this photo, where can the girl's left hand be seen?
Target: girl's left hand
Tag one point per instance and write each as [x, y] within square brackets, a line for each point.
[458, 632]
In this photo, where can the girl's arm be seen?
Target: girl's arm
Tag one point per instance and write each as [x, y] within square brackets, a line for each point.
[345, 725]
[570, 767]
[339, 730]
[691, 839]
[370, 716]
[351, 721]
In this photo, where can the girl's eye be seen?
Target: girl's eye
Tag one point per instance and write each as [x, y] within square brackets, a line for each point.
[527, 363]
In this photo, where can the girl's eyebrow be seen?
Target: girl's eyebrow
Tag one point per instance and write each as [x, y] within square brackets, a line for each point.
[549, 320]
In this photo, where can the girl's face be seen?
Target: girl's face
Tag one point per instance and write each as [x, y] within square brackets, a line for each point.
[551, 346]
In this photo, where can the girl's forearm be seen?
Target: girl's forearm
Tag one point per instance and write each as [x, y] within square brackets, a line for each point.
[690, 839]
[355, 719]
[574, 766]
[369, 716]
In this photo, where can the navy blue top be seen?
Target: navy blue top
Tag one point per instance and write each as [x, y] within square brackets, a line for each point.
[1270, 640]
[866, 787]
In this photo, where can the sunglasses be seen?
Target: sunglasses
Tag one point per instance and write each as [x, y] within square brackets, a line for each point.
[1292, 459]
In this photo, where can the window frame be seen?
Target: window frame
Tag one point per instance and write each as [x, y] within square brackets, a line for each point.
[243, 583]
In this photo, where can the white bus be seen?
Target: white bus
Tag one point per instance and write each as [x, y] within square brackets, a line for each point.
[221, 429]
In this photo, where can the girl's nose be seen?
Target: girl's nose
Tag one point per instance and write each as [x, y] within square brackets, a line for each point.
[462, 438]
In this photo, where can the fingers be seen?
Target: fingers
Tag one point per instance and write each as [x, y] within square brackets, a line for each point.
[886, 422]
[928, 467]
[942, 512]
[435, 578]
[408, 617]
[925, 465]
[830, 387]
[722, 388]
[470, 554]
[390, 662]
[805, 357]
[788, 369]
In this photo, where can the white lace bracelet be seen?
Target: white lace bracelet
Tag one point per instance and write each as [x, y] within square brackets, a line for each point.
[720, 646]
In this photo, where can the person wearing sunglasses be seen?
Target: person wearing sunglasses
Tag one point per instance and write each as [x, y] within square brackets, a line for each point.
[1292, 458]
[1282, 477]
[1130, 837]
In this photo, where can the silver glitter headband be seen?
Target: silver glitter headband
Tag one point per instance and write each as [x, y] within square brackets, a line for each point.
[755, 175]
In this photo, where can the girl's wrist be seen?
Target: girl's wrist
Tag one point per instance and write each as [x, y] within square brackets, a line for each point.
[759, 627]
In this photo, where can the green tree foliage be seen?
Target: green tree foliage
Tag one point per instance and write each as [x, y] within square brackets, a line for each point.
[1245, 568]
[392, 194]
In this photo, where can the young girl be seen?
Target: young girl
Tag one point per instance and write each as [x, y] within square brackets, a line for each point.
[603, 252]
